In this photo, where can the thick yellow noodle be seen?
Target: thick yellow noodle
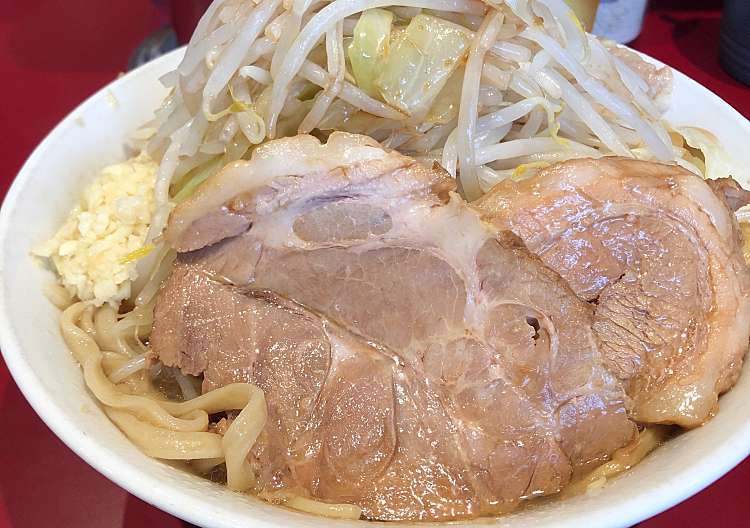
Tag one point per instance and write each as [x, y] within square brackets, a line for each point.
[307, 505]
[57, 295]
[105, 323]
[160, 428]
[336, 511]
[238, 441]
[622, 460]
[163, 443]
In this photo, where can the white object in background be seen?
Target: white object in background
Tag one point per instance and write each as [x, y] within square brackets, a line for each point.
[619, 20]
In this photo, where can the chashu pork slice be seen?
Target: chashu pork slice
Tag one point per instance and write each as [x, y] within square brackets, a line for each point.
[658, 251]
[416, 361]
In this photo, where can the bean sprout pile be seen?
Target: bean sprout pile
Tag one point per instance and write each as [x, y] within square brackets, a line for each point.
[490, 90]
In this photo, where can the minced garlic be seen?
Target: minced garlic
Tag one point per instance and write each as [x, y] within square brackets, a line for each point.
[92, 250]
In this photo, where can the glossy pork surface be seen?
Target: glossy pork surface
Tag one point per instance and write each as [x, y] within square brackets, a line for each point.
[416, 361]
[658, 253]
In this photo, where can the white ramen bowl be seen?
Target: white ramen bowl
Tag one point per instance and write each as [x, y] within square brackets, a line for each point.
[91, 137]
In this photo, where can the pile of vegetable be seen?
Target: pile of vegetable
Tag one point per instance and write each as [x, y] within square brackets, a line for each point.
[490, 90]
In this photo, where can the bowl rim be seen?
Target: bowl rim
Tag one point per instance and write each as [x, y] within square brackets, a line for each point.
[177, 501]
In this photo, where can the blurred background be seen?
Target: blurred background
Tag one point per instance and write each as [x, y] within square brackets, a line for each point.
[55, 53]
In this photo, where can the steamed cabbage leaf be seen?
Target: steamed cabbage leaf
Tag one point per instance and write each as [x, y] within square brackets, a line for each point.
[369, 48]
[421, 60]
[716, 160]
[445, 107]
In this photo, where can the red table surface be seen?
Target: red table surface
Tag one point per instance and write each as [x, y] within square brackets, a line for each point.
[53, 54]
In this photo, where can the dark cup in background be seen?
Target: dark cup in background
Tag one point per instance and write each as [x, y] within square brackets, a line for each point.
[734, 46]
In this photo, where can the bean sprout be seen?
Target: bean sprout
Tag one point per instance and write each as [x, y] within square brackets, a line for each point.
[531, 87]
